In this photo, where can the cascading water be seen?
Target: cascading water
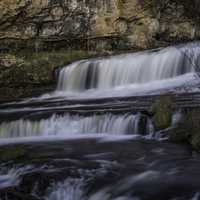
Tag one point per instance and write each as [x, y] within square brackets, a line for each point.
[69, 190]
[101, 166]
[129, 69]
[173, 66]
[70, 125]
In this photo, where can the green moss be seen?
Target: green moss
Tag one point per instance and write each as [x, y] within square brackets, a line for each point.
[37, 68]
[162, 110]
[193, 127]
[25, 70]
[187, 129]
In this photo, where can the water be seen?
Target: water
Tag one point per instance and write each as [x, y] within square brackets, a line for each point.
[129, 69]
[75, 124]
[95, 152]
[149, 72]
[92, 169]
[9, 178]
[71, 189]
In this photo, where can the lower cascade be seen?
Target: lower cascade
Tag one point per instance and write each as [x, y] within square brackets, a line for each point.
[74, 124]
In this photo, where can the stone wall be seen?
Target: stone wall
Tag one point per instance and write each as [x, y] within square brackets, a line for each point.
[41, 35]
[118, 24]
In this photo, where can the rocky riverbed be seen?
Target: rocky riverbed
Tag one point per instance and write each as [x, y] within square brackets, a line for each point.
[98, 167]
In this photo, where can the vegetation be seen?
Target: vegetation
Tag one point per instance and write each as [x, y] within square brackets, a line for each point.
[22, 71]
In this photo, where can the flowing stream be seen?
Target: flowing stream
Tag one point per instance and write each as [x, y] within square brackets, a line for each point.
[104, 99]
[132, 71]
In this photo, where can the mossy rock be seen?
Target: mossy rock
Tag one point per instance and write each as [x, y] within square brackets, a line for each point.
[193, 127]
[179, 135]
[187, 129]
[163, 111]
[26, 70]
[36, 68]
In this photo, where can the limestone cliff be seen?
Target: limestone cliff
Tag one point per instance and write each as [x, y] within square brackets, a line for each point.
[118, 24]
[30, 27]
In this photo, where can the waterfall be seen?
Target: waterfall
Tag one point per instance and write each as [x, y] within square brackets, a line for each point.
[108, 168]
[127, 69]
[75, 124]
[129, 73]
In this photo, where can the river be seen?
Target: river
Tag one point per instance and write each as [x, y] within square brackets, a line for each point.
[93, 138]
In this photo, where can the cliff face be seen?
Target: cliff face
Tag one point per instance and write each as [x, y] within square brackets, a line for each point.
[28, 27]
[118, 24]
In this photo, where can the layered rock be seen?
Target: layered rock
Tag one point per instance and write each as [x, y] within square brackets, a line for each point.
[118, 24]
[101, 26]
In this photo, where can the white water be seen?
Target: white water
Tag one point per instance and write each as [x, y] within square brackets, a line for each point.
[74, 188]
[129, 69]
[11, 177]
[68, 125]
[188, 82]
[147, 72]
[124, 75]
[71, 189]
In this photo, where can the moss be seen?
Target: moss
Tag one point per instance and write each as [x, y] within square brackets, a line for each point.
[195, 141]
[192, 124]
[187, 129]
[25, 70]
[36, 68]
[162, 110]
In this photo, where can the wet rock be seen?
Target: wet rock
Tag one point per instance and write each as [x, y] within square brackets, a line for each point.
[163, 111]
[14, 153]
[186, 128]
[99, 164]
[193, 127]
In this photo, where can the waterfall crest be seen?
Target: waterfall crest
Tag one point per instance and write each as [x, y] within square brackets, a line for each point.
[135, 68]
